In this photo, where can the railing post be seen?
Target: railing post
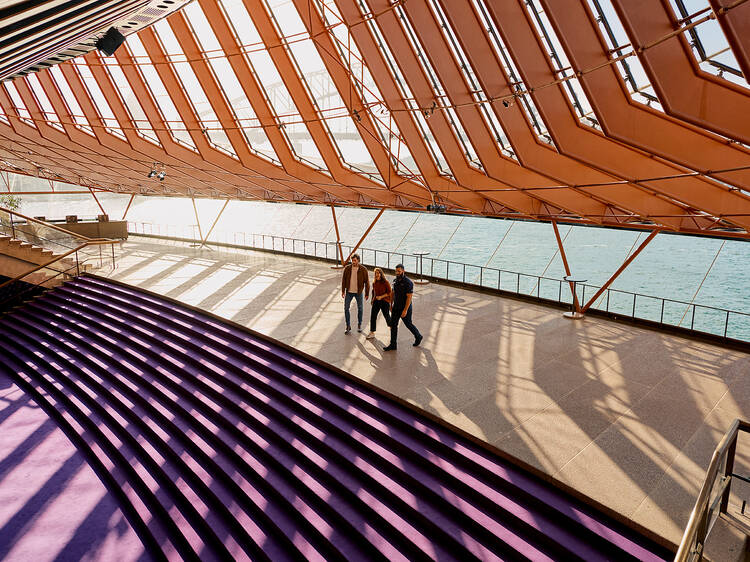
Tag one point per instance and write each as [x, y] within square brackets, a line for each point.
[518, 283]
[78, 267]
[661, 317]
[608, 291]
[692, 319]
[634, 297]
[726, 324]
[728, 470]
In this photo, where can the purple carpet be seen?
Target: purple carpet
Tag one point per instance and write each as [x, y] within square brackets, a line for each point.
[211, 443]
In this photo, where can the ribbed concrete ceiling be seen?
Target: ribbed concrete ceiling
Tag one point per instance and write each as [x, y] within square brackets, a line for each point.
[610, 112]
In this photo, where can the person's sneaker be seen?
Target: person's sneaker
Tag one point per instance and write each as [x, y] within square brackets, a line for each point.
[359, 329]
[390, 348]
[348, 330]
[417, 341]
[371, 336]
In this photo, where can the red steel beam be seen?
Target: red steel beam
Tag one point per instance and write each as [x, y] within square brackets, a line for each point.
[646, 128]
[299, 93]
[491, 75]
[684, 90]
[130, 202]
[413, 136]
[362, 239]
[588, 145]
[438, 123]
[576, 304]
[616, 274]
[256, 97]
[348, 89]
[735, 23]
[338, 237]
[499, 167]
[210, 230]
[189, 117]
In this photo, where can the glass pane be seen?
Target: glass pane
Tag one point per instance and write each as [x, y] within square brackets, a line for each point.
[162, 98]
[43, 101]
[137, 115]
[70, 100]
[18, 104]
[97, 97]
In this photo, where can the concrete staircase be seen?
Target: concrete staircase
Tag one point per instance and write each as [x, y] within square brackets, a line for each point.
[17, 257]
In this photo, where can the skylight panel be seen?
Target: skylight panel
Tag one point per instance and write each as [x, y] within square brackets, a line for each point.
[97, 97]
[322, 90]
[362, 81]
[41, 97]
[197, 97]
[234, 95]
[153, 82]
[473, 83]
[630, 68]
[79, 119]
[511, 72]
[438, 90]
[18, 104]
[277, 96]
[137, 115]
[560, 61]
[432, 146]
[709, 44]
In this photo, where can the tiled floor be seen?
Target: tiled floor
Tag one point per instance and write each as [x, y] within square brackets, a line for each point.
[627, 416]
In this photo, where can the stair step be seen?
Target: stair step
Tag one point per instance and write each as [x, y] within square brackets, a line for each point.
[234, 447]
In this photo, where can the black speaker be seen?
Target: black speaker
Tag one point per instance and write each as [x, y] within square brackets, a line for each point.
[111, 40]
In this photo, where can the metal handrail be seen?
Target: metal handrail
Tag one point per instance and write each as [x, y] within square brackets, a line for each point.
[85, 242]
[50, 225]
[702, 517]
[42, 266]
[482, 276]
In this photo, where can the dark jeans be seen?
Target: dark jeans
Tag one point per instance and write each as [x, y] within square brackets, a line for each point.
[380, 306]
[360, 305]
[395, 315]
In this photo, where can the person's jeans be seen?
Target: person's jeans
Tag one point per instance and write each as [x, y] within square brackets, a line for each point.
[378, 306]
[395, 315]
[360, 306]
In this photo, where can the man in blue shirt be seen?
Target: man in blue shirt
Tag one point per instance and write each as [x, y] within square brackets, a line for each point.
[403, 289]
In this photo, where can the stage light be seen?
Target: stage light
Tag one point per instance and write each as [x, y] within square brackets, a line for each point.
[161, 175]
[152, 173]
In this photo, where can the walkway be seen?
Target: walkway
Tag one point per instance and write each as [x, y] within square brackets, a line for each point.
[628, 416]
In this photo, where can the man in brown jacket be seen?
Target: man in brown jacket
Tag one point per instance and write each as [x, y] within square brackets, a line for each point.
[353, 281]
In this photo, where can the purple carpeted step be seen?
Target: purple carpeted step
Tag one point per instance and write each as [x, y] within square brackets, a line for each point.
[153, 524]
[285, 414]
[167, 311]
[193, 465]
[417, 479]
[196, 522]
[588, 521]
[177, 386]
[298, 460]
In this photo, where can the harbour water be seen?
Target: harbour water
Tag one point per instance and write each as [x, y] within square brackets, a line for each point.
[711, 272]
